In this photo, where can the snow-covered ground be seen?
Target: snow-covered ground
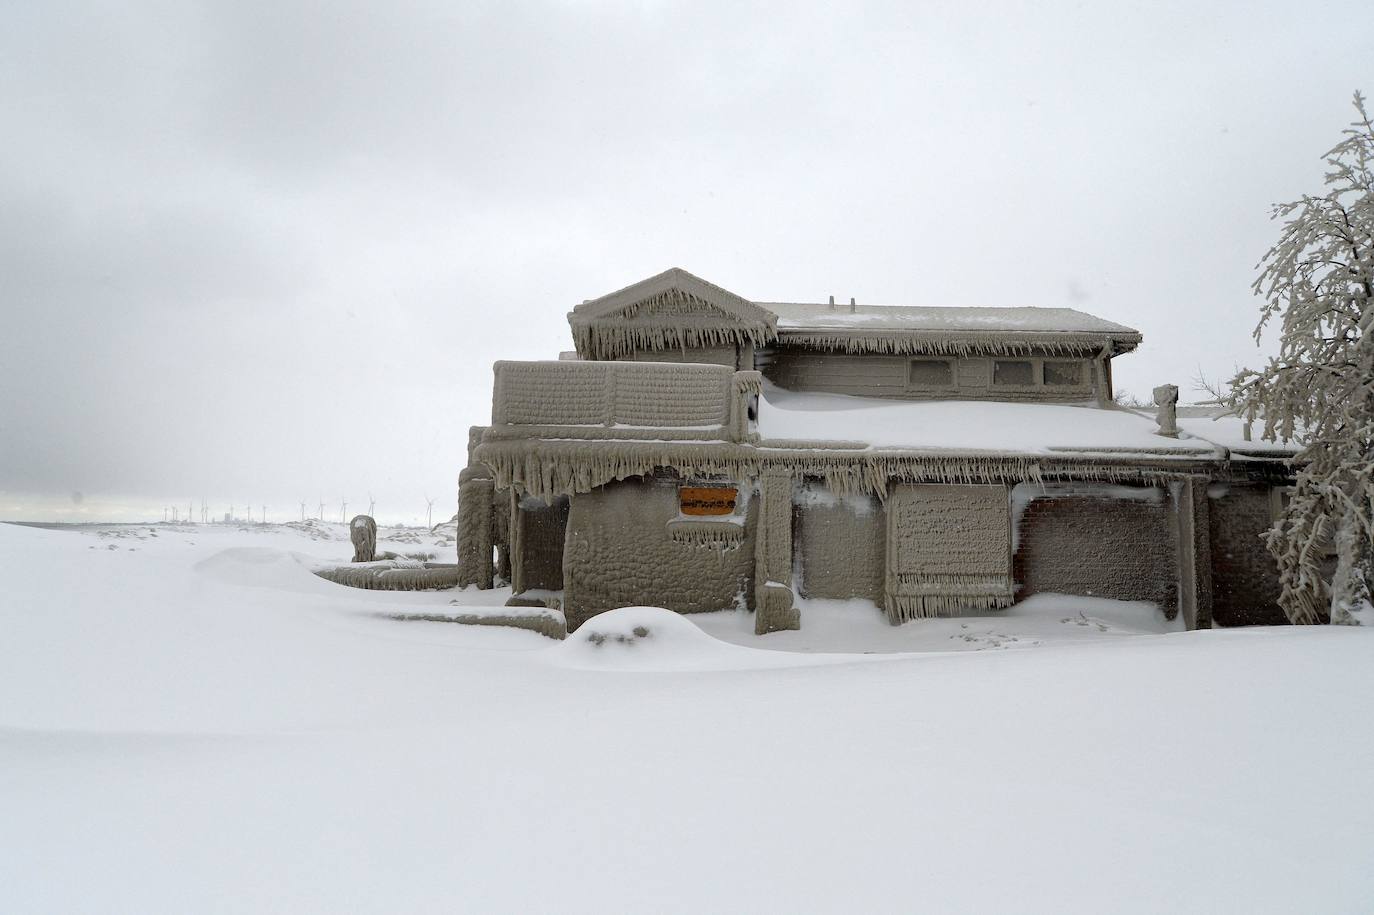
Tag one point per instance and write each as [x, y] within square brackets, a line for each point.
[192, 722]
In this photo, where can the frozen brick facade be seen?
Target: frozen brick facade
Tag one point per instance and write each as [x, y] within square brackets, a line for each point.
[1245, 579]
[1099, 547]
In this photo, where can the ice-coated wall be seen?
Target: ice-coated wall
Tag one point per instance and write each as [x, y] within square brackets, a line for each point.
[728, 355]
[840, 543]
[1245, 578]
[1114, 542]
[621, 552]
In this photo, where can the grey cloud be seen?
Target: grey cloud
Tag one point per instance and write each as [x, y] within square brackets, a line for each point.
[234, 238]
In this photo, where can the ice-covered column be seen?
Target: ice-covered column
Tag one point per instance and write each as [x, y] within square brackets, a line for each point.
[515, 532]
[1194, 552]
[773, 608]
[745, 388]
[475, 491]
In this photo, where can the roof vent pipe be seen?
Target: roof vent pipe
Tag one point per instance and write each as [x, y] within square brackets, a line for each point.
[832, 303]
[852, 307]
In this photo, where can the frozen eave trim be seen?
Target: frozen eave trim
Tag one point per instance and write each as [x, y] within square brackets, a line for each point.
[612, 338]
[545, 469]
[959, 343]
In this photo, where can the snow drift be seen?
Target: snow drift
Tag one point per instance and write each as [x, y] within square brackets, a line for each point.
[652, 638]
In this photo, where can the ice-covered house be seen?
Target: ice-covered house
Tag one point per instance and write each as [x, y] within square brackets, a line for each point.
[701, 451]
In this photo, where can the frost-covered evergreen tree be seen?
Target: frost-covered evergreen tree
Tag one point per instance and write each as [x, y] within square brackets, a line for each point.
[1317, 282]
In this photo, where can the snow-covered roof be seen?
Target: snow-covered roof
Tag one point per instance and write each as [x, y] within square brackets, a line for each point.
[1229, 432]
[677, 309]
[806, 316]
[966, 425]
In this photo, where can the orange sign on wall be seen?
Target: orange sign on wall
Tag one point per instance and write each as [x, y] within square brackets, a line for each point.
[706, 500]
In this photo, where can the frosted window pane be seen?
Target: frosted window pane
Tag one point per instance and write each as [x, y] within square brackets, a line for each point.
[1064, 373]
[1006, 372]
[931, 373]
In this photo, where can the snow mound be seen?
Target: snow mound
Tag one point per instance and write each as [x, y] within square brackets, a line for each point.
[652, 638]
[259, 567]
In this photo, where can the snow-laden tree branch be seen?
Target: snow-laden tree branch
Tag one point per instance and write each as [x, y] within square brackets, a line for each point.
[1317, 282]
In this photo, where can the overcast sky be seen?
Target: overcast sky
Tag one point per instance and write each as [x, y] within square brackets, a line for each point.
[267, 252]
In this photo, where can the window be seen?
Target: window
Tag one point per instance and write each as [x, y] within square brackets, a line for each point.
[1013, 372]
[1065, 374]
[706, 500]
[931, 373]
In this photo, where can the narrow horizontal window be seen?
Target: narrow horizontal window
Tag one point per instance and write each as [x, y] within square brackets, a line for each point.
[1017, 372]
[1065, 374]
[706, 500]
[931, 373]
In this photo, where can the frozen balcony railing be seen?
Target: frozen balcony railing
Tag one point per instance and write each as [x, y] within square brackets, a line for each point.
[638, 400]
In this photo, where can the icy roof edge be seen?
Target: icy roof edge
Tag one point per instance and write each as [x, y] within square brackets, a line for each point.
[805, 316]
[905, 341]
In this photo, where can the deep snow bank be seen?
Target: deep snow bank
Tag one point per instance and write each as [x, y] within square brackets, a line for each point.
[171, 743]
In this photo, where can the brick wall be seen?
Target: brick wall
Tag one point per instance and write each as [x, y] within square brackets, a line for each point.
[1098, 546]
[1245, 578]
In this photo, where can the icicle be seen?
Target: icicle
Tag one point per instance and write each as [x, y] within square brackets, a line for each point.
[903, 608]
[545, 469]
[905, 343]
[642, 326]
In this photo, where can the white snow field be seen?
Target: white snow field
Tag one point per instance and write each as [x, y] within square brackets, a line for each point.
[192, 722]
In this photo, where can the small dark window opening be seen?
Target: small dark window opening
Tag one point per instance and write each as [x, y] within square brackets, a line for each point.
[1017, 372]
[931, 373]
[1066, 374]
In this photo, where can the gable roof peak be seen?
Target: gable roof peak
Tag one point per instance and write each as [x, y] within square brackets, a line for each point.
[670, 310]
[673, 279]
